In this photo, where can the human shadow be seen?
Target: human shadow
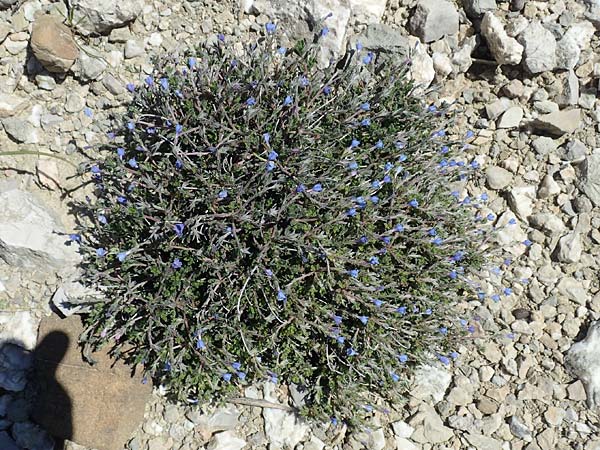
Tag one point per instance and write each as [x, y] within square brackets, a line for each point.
[52, 407]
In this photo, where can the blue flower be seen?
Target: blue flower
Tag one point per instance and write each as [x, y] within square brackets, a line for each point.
[368, 58]
[366, 106]
[376, 184]
[467, 200]
[454, 355]
[121, 152]
[88, 112]
[437, 241]
[495, 298]
[507, 291]
[469, 134]
[176, 264]
[337, 319]
[178, 164]
[75, 237]
[388, 166]
[365, 122]
[490, 217]
[360, 201]
[399, 227]
[223, 194]
[483, 197]
[149, 81]
[304, 81]
[363, 319]
[386, 239]
[300, 188]
[512, 221]
[474, 164]
[270, 27]
[324, 31]
[272, 377]
[270, 166]
[281, 50]
[327, 90]
[251, 101]
[444, 330]
[444, 359]
[267, 138]
[221, 37]
[131, 126]
[236, 365]
[288, 100]
[317, 187]
[353, 165]
[191, 62]
[414, 203]
[340, 339]
[403, 358]
[354, 143]
[363, 240]
[379, 144]
[374, 199]
[102, 219]
[395, 377]
[374, 260]
[122, 200]
[130, 87]
[178, 228]
[377, 302]
[95, 169]
[226, 376]
[481, 295]
[241, 375]
[164, 83]
[527, 243]
[122, 255]
[281, 296]
[200, 345]
[359, 46]
[133, 163]
[272, 155]
[178, 129]
[101, 251]
[353, 273]
[167, 366]
[351, 352]
[458, 256]
[351, 212]
[432, 232]
[453, 274]
[401, 310]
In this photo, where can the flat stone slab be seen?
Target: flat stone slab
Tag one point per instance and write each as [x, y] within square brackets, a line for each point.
[96, 406]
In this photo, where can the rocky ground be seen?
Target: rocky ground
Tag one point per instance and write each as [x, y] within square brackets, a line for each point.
[524, 75]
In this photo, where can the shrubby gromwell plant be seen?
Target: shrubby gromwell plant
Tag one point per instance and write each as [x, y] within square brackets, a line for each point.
[258, 218]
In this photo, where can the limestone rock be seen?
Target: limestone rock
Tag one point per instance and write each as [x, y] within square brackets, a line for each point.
[11, 105]
[227, 440]
[72, 297]
[583, 360]
[19, 328]
[30, 235]
[539, 45]
[430, 381]
[498, 178]
[421, 69]
[53, 45]
[382, 38]
[429, 427]
[20, 130]
[505, 49]
[96, 406]
[511, 118]
[481, 442]
[368, 11]
[283, 429]
[520, 199]
[101, 16]
[558, 123]
[590, 183]
[434, 19]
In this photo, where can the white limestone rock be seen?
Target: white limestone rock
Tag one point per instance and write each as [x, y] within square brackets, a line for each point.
[583, 361]
[102, 16]
[505, 49]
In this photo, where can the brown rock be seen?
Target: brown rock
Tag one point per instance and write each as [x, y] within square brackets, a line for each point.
[53, 45]
[96, 406]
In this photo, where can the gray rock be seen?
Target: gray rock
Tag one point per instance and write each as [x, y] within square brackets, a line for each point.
[495, 109]
[74, 103]
[133, 49]
[91, 64]
[461, 60]
[570, 92]
[52, 44]
[569, 47]
[429, 427]
[20, 130]
[45, 82]
[430, 381]
[6, 442]
[558, 123]
[31, 436]
[570, 246]
[101, 16]
[15, 361]
[504, 49]
[575, 151]
[517, 5]
[498, 178]
[514, 89]
[4, 4]
[539, 44]
[283, 429]
[544, 145]
[379, 37]
[548, 223]
[511, 118]
[520, 199]
[30, 234]
[519, 429]
[477, 8]
[590, 183]
[583, 361]
[434, 19]
[113, 85]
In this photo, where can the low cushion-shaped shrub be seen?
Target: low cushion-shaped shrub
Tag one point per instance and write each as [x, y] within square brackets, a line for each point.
[260, 218]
